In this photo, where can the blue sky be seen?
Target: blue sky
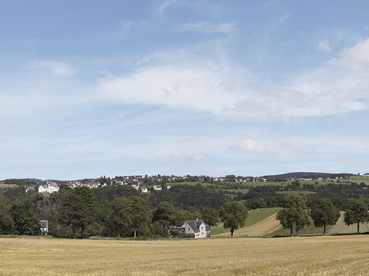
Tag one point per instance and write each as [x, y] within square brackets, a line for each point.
[91, 88]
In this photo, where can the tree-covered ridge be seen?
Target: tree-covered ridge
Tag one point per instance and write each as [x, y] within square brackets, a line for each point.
[115, 209]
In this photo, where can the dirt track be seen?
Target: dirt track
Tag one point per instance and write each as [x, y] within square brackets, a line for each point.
[261, 228]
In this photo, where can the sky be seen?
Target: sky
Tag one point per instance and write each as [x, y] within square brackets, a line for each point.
[207, 87]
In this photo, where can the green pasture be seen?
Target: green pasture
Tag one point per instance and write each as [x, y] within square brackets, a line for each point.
[258, 215]
[295, 192]
[2, 185]
[253, 217]
[359, 178]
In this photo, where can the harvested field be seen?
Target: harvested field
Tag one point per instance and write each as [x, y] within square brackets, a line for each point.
[342, 228]
[338, 255]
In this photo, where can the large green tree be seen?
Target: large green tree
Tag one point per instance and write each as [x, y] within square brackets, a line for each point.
[163, 217]
[233, 214]
[129, 214]
[324, 213]
[6, 221]
[164, 214]
[25, 218]
[79, 209]
[356, 212]
[210, 216]
[294, 214]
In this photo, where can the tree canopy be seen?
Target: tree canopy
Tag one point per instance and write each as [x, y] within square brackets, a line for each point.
[79, 209]
[324, 213]
[129, 214]
[210, 216]
[356, 212]
[25, 217]
[294, 214]
[233, 214]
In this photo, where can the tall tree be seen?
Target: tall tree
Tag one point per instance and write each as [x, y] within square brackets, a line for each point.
[6, 221]
[129, 214]
[294, 214]
[164, 214]
[233, 214]
[210, 216]
[356, 212]
[24, 215]
[79, 209]
[324, 213]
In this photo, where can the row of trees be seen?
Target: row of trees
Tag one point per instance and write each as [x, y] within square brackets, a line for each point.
[78, 212]
[120, 211]
[295, 215]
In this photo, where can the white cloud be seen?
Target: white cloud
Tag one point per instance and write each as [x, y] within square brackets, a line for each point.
[206, 27]
[168, 79]
[56, 67]
[271, 149]
[199, 86]
[197, 156]
[323, 45]
[356, 57]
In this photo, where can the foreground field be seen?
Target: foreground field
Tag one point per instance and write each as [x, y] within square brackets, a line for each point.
[344, 255]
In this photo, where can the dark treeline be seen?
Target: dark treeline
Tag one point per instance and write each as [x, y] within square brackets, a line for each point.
[114, 210]
[122, 211]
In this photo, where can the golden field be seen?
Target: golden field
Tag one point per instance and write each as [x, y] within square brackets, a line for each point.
[331, 255]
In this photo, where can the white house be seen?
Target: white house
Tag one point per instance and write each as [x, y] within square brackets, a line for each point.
[44, 226]
[50, 187]
[197, 227]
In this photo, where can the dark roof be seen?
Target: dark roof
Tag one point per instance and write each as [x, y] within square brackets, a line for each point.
[195, 224]
[44, 223]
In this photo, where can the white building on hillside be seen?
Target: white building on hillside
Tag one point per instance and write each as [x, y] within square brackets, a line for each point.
[50, 187]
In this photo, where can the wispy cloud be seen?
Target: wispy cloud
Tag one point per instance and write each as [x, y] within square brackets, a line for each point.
[28, 167]
[207, 86]
[271, 149]
[56, 67]
[164, 5]
[323, 45]
[125, 28]
[207, 27]
[197, 156]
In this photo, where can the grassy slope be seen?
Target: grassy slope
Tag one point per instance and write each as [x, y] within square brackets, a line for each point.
[2, 185]
[254, 216]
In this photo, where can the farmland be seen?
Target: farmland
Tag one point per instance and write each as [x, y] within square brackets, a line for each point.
[2, 185]
[254, 218]
[343, 255]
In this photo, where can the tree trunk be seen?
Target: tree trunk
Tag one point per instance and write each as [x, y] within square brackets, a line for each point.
[291, 231]
[325, 226]
[232, 230]
[358, 227]
[135, 233]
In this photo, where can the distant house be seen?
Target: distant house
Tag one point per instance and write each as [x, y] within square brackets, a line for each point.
[44, 226]
[197, 227]
[50, 187]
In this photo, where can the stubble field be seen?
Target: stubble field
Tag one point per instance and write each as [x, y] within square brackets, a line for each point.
[333, 255]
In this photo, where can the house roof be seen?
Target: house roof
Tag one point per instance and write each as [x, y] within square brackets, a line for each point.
[195, 225]
[44, 223]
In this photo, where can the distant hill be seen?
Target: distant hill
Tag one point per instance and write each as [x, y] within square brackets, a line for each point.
[313, 175]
